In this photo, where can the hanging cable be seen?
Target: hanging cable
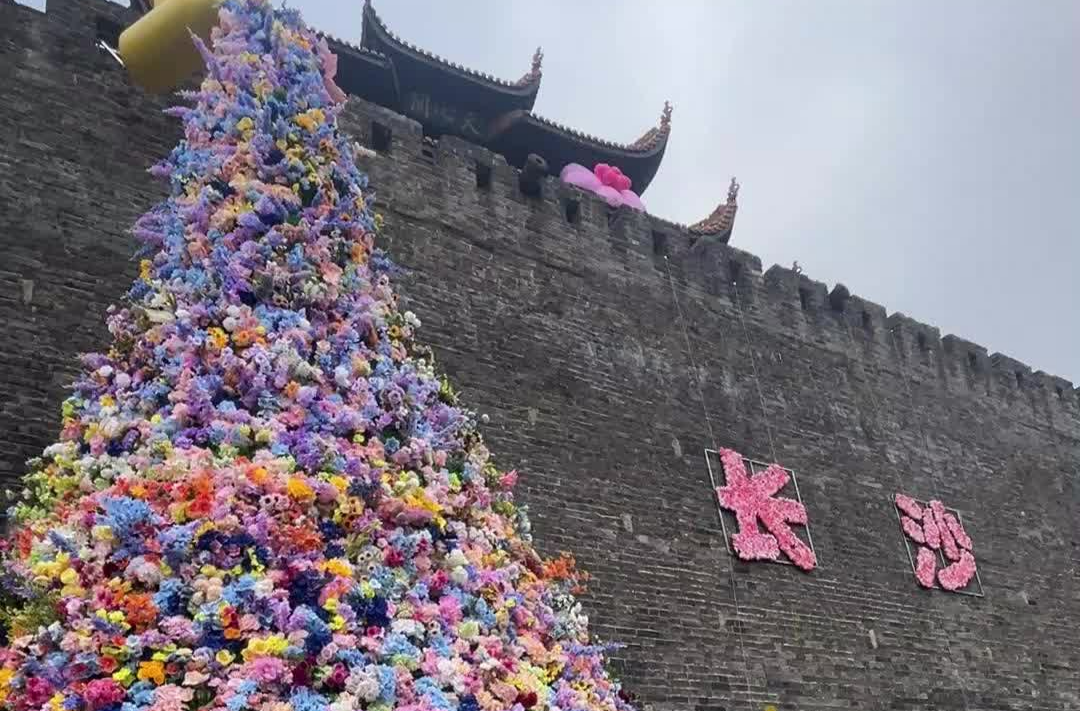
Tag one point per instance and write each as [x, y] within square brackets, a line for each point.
[753, 365]
[712, 480]
[936, 485]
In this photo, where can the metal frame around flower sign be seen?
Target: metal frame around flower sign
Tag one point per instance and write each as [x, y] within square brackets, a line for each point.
[940, 555]
[754, 463]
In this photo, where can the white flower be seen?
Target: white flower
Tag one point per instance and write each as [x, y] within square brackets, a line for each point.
[344, 702]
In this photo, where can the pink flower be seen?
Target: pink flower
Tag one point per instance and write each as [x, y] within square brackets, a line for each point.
[947, 541]
[103, 692]
[959, 574]
[38, 691]
[913, 529]
[266, 669]
[925, 567]
[171, 698]
[930, 529]
[958, 532]
[909, 506]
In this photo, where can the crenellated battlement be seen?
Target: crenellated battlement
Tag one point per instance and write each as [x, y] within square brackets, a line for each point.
[478, 177]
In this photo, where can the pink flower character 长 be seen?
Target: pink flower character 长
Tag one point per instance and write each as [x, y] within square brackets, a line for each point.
[936, 529]
[753, 500]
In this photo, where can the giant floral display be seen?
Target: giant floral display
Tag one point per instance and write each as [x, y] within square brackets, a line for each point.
[263, 496]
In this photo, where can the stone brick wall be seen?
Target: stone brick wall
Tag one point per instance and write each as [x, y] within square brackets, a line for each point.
[567, 333]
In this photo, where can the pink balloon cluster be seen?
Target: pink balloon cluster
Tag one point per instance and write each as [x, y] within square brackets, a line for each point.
[605, 180]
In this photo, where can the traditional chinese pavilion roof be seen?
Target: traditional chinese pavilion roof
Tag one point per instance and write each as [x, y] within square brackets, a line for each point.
[722, 220]
[519, 133]
[364, 72]
[436, 77]
[447, 98]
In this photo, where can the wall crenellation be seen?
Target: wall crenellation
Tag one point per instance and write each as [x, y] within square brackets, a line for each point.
[713, 266]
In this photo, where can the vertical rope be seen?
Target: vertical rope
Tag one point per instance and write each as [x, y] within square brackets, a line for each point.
[936, 485]
[815, 383]
[712, 480]
[753, 365]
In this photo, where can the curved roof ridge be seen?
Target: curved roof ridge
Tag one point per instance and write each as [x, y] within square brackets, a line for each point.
[350, 45]
[650, 140]
[721, 220]
[530, 79]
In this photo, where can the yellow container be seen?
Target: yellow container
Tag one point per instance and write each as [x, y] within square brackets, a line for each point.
[158, 50]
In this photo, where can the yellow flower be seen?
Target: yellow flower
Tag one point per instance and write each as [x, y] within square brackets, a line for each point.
[311, 120]
[145, 267]
[218, 337]
[123, 676]
[152, 671]
[255, 648]
[337, 566]
[339, 482]
[6, 675]
[224, 657]
[299, 489]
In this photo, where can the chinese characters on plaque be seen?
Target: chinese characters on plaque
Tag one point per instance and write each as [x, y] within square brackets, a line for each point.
[444, 116]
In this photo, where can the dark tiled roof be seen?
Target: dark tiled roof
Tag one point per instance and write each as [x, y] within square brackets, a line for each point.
[529, 80]
[649, 141]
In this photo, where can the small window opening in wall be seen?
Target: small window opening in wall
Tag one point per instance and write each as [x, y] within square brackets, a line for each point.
[734, 271]
[921, 338]
[108, 31]
[1019, 379]
[867, 321]
[1060, 391]
[381, 136]
[973, 361]
[428, 151]
[483, 175]
[804, 298]
[659, 243]
[572, 209]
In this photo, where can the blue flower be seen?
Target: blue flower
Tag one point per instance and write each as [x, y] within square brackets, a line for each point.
[125, 515]
[304, 699]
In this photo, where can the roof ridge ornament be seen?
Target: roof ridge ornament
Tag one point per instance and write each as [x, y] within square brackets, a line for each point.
[535, 71]
[665, 116]
[721, 222]
[654, 135]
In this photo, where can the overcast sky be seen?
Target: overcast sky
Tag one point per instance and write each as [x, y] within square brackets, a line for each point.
[924, 153]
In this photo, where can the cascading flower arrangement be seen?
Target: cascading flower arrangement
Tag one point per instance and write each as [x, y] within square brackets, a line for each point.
[263, 496]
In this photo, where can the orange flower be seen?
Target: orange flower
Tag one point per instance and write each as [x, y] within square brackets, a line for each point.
[140, 610]
[152, 671]
[258, 475]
